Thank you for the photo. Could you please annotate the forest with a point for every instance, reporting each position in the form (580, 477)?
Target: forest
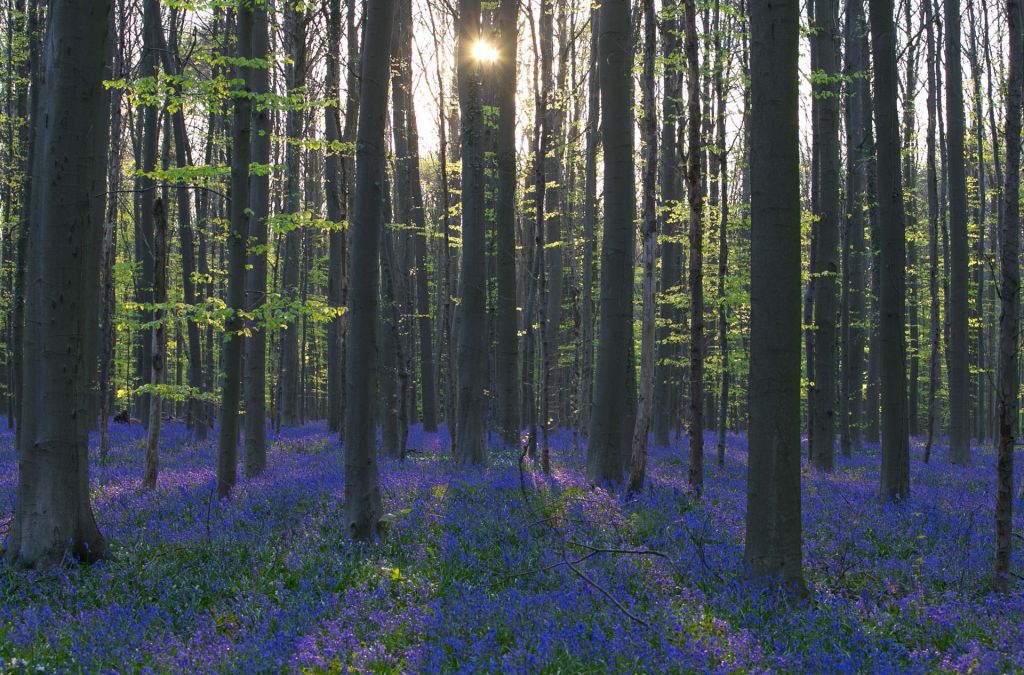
(468, 336)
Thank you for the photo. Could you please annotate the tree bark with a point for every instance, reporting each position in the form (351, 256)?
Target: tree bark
(1009, 295)
(362, 482)
(241, 154)
(53, 518)
(959, 399)
(773, 536)
(895, 475)
(608, 428)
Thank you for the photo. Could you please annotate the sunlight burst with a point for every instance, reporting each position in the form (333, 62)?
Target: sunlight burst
(484, 52)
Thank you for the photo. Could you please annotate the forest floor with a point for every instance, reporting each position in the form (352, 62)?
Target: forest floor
(475, 577)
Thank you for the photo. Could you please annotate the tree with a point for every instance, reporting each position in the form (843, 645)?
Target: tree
(507, 355)
(362, 482)
(826, 137)
(1009, 297)
(695, 198)
(296, 19)
(959, 404)
(472, 346)
(53, 518)
(773, 538)
(257, 240)
(895, 477)
(606, 453)
(666, 385)
(241, 153)
(649, 239)
(159, 347)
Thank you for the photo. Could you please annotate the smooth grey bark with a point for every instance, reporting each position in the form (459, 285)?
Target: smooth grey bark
(895, 475)
(362, 480)
(827, 92)
(290, 385)
(649, 239)
(773, 534)
(666, 387)
(695, 199)
(607, 452)
(1009, 299)
(507, 348)
(959, 403)
(257, 240)
(53, 519)
(231, 353)
(472, 344)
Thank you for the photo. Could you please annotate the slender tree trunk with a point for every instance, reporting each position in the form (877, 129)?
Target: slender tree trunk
(667, 369)
(290, 384)
(159, 337)
(589, 227)
(934, 325)
(362, 482)
(722, 160)
(241, 154)
(695, 197)
(895, 477)
(649, 239)
(53, 518)
(606, 451)
(773, 536)
(256, 276)
(826, 17)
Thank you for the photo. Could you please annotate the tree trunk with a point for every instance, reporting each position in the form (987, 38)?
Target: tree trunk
(649, 239)
(826, 18)
(241, 154)
(606, 451)
(159, 337)
(53, 518)
(773, 537)
(895, 476)
(695, 197)
(1009, 296)
(472, 344)
(667, 369)
(362, 482)
(959, 399)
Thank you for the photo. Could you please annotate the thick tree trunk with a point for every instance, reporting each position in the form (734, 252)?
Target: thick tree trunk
(1009, 295)
(609, 421)
(53, 518)
(241, 154)
(472, 344)
(362, 482)
(773, 537)
(895, 476)
(507, 356)
(959, 399)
